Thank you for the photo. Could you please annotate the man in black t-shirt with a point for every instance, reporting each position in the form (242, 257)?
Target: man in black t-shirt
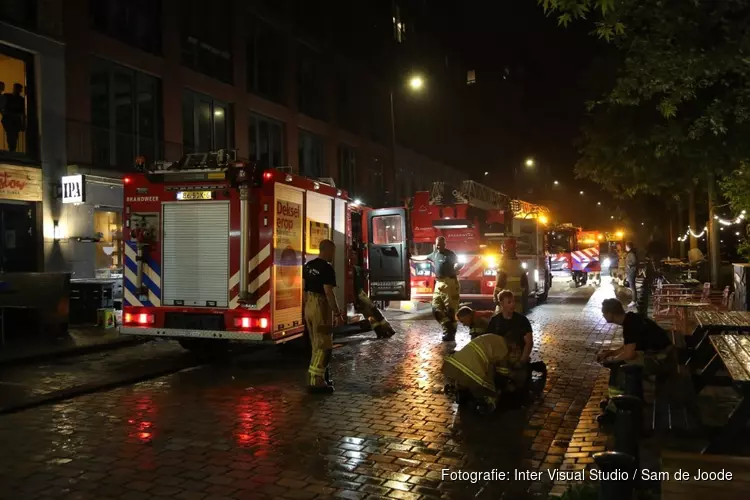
(320, 306)
(446, 295)
(516, 330)
(644, 343)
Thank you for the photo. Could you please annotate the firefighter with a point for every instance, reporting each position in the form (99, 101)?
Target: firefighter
(512, 276)
(379, 324)
(320, 308)
(445, 297)
(472, 370)
(476, 321)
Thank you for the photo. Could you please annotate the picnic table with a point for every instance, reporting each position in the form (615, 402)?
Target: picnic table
(717, 323)
(733, 352)
(683, 313)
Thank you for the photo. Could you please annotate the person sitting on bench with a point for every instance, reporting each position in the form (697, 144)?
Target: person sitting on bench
(645, 343)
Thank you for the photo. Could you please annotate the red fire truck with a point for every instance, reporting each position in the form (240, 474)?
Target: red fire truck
(575, 251)
(216, 247)
(475, 220)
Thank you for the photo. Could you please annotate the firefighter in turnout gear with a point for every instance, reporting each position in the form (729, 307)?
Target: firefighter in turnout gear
(472, 370)
(512, 276)
(322, 313)
(476, 321)
(379, 324)
(446, 295)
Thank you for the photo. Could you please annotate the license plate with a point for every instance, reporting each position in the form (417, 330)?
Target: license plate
(194, 195)
(423, 272)
(490, 272)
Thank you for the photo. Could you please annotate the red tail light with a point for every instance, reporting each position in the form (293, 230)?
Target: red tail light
(267, 175)
(250, 323)
(139, 319)
(126, 180)
(490, 284)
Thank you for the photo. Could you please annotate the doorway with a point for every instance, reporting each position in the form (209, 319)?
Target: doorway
(18, 238)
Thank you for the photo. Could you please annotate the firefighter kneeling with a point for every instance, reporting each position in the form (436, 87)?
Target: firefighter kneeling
(512, 276)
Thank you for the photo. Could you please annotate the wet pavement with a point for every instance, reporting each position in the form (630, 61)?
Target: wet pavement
(250, 431)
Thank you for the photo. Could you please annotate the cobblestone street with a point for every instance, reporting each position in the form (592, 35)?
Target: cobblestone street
(250, 430)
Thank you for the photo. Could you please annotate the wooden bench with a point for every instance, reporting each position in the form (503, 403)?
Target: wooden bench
(734, 353)
(675, 407)
(691, 489)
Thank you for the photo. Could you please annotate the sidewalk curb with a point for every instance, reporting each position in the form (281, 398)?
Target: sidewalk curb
(69, 352)
(84, 389)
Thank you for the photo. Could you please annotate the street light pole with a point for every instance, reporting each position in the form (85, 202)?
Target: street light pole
(393, 138)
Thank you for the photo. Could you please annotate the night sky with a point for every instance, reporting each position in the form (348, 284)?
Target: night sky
(533, 80)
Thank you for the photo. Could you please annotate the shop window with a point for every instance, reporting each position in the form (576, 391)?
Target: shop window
(135, 22)
(17, 126)
(207, 38)
(310, 155)
(126, 115)
(108, 231)
(206, 124)
(266, 141)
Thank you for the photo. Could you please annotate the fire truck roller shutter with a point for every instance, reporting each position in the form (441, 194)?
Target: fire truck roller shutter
(339, 239)
(195, 266)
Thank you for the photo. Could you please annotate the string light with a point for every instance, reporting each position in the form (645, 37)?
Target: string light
(690, 232)
(726, 222)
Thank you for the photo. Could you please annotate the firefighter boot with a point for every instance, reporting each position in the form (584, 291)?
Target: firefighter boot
(327, 376)
(445, 323)
(450, 326)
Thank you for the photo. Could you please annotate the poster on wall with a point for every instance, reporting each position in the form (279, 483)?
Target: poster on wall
(287, 258)
(319, 231)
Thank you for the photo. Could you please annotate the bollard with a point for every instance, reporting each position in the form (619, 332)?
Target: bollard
(628, 423)
(613, 465)
(614, 370)
(633, 380)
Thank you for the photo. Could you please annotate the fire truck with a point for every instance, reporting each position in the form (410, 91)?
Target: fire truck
(215, 248)
(475, 220)
(577, 252)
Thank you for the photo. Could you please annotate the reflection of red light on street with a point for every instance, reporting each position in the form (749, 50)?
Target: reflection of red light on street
(144, 435)
(131, 421)
(145, 425)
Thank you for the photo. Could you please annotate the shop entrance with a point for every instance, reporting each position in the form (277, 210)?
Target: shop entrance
(18, 238)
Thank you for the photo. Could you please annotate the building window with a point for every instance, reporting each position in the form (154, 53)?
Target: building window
(310, 155)
(266, 141)
(347, 169)
(206, 124)
(135, 22)
(18, 123)
(399, 25)
(126, 115)
(310, 83)
(108, 229)
(207, 38)
(266, 54)
(19, 12)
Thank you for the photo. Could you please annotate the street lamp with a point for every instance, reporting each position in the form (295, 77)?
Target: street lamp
(530, 162)
(599, 203)
(556, 183)
(486, 173)
(581, 193)
(416, 84)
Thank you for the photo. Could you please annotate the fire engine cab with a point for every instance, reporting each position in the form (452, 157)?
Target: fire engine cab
(475, 220)
(575, 251)
(215, 247)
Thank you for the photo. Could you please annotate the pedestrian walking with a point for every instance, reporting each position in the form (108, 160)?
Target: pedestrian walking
(631, 271)
(321, 313)
(446, 295)
(645, 343)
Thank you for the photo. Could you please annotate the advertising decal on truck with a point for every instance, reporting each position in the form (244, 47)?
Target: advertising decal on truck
(287, 269)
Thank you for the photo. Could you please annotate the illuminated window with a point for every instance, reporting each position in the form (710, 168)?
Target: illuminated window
(399, 25)
(108, 228)
(18, 124)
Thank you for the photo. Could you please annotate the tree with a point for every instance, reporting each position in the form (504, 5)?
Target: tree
(684, 78)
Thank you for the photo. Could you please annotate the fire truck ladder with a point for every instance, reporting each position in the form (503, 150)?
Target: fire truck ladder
(214, 160)
(472, 193)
